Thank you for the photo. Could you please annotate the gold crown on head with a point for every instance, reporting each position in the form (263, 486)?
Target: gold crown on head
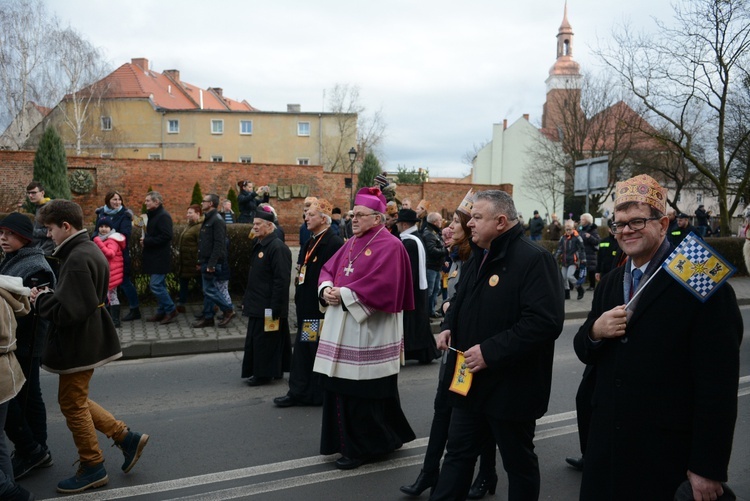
(310, 201)
(643, 189)
(323, 205)
(467, 203)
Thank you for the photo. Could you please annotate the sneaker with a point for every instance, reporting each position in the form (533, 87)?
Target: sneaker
(23, 465)
(87, 477)
(132, 447)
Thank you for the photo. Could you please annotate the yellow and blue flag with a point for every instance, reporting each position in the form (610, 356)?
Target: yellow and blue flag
(698, 267)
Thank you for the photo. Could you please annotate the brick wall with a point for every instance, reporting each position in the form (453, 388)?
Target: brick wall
(175, 181)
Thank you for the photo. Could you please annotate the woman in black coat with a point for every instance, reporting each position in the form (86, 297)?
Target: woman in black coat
(122, 223)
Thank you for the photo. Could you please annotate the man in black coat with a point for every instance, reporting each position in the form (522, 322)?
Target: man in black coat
(504, 320)
(682, 230)
(667, 367)
(212, 259)
(436, 254)
(266, 303)
(157, 256)
(305, 387)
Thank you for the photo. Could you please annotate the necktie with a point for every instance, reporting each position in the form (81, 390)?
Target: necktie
(637, 275)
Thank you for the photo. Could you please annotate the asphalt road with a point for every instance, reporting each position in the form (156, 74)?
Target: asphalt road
(214, 438)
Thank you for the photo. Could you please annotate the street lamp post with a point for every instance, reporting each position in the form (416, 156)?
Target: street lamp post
(352, 158)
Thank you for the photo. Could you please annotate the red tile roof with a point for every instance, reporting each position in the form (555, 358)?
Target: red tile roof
(133, 81)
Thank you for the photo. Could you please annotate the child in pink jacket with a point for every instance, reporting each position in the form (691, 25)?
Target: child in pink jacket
(112, 244)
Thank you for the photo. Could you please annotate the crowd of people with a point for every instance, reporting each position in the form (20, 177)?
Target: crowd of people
(367, 283)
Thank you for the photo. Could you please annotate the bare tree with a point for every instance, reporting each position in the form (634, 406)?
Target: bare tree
(353, 123)
(470, 154)
(687, 77)
(545, 181)
(79, 71)
(25, 44)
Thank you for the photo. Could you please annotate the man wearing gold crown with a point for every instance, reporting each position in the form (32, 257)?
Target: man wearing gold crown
(667, 367)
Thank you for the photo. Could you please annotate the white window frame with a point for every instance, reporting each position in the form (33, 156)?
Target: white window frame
(301, 126)
(245, 159)
(217, 158)
(303, 161)
(169, 126)
(105, 122)
(154, 156)
(699, 198)
(217, 126)
(106, 155)
(242, 122)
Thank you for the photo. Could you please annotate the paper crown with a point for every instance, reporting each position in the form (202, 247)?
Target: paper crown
(310, 201)
(323, 205)
(265, 212)
(467, 203)
(371, 198)
(643, 189)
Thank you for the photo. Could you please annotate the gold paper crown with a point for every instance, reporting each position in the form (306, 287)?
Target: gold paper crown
(323, 206)
(310, 201)
(643, 189)
(467, 203)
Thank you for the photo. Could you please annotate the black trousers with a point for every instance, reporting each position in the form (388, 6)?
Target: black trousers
(467, 436)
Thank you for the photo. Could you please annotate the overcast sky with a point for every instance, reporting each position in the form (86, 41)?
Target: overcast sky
(441, 71)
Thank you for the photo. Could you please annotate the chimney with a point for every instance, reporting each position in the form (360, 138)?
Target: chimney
(505, 123)
(141, 62)
(526, 116)
(217, 90)
(293, 108)
(173, 74)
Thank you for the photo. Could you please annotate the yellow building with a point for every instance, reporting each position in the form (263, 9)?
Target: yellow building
(135, 112)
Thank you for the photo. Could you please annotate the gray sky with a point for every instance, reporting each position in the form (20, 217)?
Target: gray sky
(442, 71)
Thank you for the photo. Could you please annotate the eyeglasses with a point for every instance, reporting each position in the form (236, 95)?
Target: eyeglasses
(360, 215)
(32, 192)
(634, 224)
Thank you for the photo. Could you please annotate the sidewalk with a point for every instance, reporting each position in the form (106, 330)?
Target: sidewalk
(141, 339)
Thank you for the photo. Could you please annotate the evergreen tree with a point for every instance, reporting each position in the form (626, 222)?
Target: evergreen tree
(51, 165)
(370, 169)
(232, 197)
(197, 197)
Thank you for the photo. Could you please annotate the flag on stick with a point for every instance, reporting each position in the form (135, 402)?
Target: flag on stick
(698, 267)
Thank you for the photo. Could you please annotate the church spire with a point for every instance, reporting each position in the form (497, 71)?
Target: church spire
(564, 81)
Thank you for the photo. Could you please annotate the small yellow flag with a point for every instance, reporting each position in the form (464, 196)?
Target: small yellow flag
(461, 377)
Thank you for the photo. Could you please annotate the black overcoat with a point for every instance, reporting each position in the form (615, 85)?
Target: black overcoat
(268, 279)
(512, 307)
(157, 243)
(665, 399)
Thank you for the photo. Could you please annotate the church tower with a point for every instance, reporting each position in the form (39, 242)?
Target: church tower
(564, 82)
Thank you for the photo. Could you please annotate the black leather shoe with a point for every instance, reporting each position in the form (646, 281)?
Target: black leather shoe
(285, 401)
(203, 322)
(576, 463)
(481, 485)
(581, 292)
(258, 381)
(198, 315)
(345, 463)
(425, 480)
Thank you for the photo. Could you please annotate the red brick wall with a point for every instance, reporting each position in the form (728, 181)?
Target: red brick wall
(175, 180)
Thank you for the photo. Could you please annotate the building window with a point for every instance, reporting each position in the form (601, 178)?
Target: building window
(217, 158)
(246, 127)
(173, 126)
(303, 128)
(106, 155)
(106, 123)
(246, 160)
(699, 198)
(303, 161)
(154, 156)
(217, 126)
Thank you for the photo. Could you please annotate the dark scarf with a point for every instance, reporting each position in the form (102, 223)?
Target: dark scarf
(25, 262)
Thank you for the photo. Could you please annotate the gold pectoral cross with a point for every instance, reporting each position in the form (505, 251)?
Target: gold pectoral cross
(348, 270)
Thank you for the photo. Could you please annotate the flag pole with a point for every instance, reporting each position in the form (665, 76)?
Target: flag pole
(641, 288)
